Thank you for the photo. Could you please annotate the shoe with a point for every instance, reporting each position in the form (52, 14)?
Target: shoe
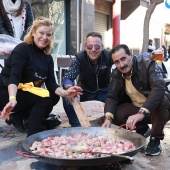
(17, 122)
(52, 122)
(154, 147)
(146, 132)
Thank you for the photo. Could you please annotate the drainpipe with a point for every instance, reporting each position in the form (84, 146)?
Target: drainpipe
(82, 25)
(78, 29)
(116, 16)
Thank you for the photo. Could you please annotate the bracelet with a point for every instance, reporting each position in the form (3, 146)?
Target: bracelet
(109, 118)
(12, 97)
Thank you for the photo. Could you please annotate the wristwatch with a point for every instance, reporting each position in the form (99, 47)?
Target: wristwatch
(142, 111)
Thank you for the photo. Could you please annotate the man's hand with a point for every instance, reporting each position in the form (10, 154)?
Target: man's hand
(132, 120)
(152, 56)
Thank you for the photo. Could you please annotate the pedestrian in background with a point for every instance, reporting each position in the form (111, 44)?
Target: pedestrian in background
(165, 53)
(169, 51)
(15, 18)
(151, 46)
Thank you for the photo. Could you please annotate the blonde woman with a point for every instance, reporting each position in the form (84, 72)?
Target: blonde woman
(28, 67)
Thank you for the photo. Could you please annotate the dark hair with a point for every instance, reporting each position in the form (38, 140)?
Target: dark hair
(94, 34)
(18, 12)
(118, 47)
(150, 42)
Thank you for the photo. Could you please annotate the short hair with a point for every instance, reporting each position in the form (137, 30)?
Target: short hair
(94, 34)
(118, 47)
(41, 21)
(150, 42)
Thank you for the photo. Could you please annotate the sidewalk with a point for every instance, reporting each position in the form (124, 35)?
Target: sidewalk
(10, 142)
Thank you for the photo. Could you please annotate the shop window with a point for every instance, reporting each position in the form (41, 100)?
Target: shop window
(55, 10)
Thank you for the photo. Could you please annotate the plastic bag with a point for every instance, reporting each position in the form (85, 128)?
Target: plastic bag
(7, 44)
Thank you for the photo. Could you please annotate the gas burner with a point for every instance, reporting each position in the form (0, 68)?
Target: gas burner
(110, 166)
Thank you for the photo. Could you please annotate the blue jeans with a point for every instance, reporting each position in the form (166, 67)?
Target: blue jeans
(73, 120)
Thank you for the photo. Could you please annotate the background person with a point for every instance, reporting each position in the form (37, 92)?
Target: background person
(15, 18)
(169, 51)
(151, 46)
(93, 67)
(28, 67)
(137, 97)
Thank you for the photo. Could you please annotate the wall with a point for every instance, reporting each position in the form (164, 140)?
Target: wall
(87, 18)
(132, 28)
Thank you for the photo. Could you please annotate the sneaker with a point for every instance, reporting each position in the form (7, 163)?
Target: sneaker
(52, 122)
(154, 147)
(146, 132)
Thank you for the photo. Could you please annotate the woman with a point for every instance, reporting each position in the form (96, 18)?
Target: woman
(15, 18)
(29, 66)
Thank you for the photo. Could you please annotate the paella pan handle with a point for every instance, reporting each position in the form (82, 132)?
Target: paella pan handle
(123, 125)
(25, 154)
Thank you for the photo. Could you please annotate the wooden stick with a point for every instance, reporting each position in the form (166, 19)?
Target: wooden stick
(84, 122)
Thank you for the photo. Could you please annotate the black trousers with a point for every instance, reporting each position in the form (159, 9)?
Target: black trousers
(32, 106)
(158, 118)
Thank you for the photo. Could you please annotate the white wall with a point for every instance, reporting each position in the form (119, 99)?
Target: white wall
(131, 29)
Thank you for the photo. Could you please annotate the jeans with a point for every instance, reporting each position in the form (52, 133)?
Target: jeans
(73, 120)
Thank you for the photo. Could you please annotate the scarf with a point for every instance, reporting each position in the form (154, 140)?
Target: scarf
(29, 87)
(11, 7)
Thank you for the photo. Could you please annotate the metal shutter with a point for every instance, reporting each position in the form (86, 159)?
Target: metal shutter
(101, 24)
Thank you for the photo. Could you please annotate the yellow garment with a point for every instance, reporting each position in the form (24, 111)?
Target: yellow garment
(32, 89)
(137, 98)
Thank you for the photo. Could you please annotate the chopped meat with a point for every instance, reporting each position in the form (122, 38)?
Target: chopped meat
(81, 146)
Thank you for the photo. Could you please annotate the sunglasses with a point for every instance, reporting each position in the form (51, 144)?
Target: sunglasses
(96, 46)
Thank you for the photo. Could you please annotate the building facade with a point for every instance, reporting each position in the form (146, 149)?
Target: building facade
(73, 19)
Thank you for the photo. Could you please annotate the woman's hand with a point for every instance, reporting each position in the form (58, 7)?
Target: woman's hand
(8, 108)
(73, 91)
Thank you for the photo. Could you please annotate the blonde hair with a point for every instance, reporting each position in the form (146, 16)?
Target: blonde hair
(41, 21)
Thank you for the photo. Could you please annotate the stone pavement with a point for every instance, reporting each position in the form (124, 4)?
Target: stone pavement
(10, 141)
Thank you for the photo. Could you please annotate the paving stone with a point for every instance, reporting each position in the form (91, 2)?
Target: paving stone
(11, 140)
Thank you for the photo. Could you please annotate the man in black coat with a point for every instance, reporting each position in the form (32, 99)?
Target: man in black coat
(138, 97)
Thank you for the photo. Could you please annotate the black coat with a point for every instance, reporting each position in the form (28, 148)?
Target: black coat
(146, 78)
(5, 24)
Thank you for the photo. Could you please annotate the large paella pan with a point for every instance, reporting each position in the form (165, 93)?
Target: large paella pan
(136, 139)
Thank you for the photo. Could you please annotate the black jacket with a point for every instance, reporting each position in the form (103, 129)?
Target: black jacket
(146, 78)
(88, 79)
(28, 63)
(5, 24)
